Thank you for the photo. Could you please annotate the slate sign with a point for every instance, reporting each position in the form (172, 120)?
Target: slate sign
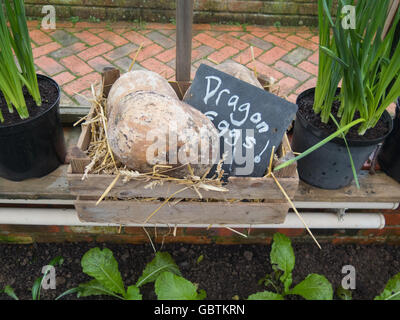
(250, 120)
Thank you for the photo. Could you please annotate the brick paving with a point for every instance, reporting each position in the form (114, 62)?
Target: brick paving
(75, 54)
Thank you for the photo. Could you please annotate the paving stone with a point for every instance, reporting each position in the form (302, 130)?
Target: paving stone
(45, 49)
(95, 51)
(65, 100)
(123, 63)
(89, 38)
(159, 67)
(161, 39)
(76, 65)
(257, 42)
(246, 56)
(120, 52)
(81, 101)
(297, 55)
(49, 65)
(64, 38)
(201, 52)
(112, 37)
(99, 64)
(223, 54)
(209, 41)
(67, 51)
(291, 71)
(63, 78)
(82, 83)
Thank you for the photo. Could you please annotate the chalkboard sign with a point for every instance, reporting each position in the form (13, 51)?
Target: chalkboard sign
(250, 120)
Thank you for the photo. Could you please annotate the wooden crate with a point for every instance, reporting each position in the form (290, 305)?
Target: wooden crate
(234, 207)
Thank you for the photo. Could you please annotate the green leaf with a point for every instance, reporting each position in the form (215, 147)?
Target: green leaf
(265, 295)
(94, 288)
(314, 287)
(161, 262)
(36, 288)
(282, 258)
(101, 265)
(169, 286)
(392, 289)
(133, 293)
(344, 294)
(200, 259)
(37, 285)
(10, 292)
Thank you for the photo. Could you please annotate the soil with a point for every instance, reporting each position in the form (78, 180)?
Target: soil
(48, 93)
(306, 110)
(224, 272)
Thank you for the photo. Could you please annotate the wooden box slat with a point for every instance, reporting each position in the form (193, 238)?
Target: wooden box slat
(136, 212)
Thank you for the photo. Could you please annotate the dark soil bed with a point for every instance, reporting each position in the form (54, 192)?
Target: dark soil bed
(225, 271)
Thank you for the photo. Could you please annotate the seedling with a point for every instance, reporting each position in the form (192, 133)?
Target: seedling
(37, 285)
(313, 287)
(391, 291)
(162, 270)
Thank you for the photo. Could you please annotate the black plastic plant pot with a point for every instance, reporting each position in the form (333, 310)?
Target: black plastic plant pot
(329, 167)
(389, 157)
(34, 147)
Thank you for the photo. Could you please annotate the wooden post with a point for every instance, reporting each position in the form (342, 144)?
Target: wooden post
(184, 21)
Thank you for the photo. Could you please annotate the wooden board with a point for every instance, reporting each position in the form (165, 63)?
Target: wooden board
(239, 188)
(123, 212)
(373, 188)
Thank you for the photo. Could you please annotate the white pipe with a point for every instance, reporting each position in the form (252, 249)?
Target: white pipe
(314, 220)
(346, 205)
(298, 204)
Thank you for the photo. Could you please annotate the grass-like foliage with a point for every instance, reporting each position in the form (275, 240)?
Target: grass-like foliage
(313, 287)
(328, 69)
(14, 38)
(369, 73)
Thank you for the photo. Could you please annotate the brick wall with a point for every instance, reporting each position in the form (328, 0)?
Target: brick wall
(264, 12)
(29, 234)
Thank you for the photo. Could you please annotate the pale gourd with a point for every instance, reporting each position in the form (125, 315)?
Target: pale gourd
(239, 71)
(152, 128)
(138, 80)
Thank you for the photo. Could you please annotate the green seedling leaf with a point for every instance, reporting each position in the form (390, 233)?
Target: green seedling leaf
(91, 288)
(37, 285)
(36, 288)
(133, 293)
(265, 295)
(314, 287)
(343, 294)
(282, 258)
(94, 288)
(161, 262)
(101, 265)
(392, 289)
(200, 259)
(10, 292)
(169, 286)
